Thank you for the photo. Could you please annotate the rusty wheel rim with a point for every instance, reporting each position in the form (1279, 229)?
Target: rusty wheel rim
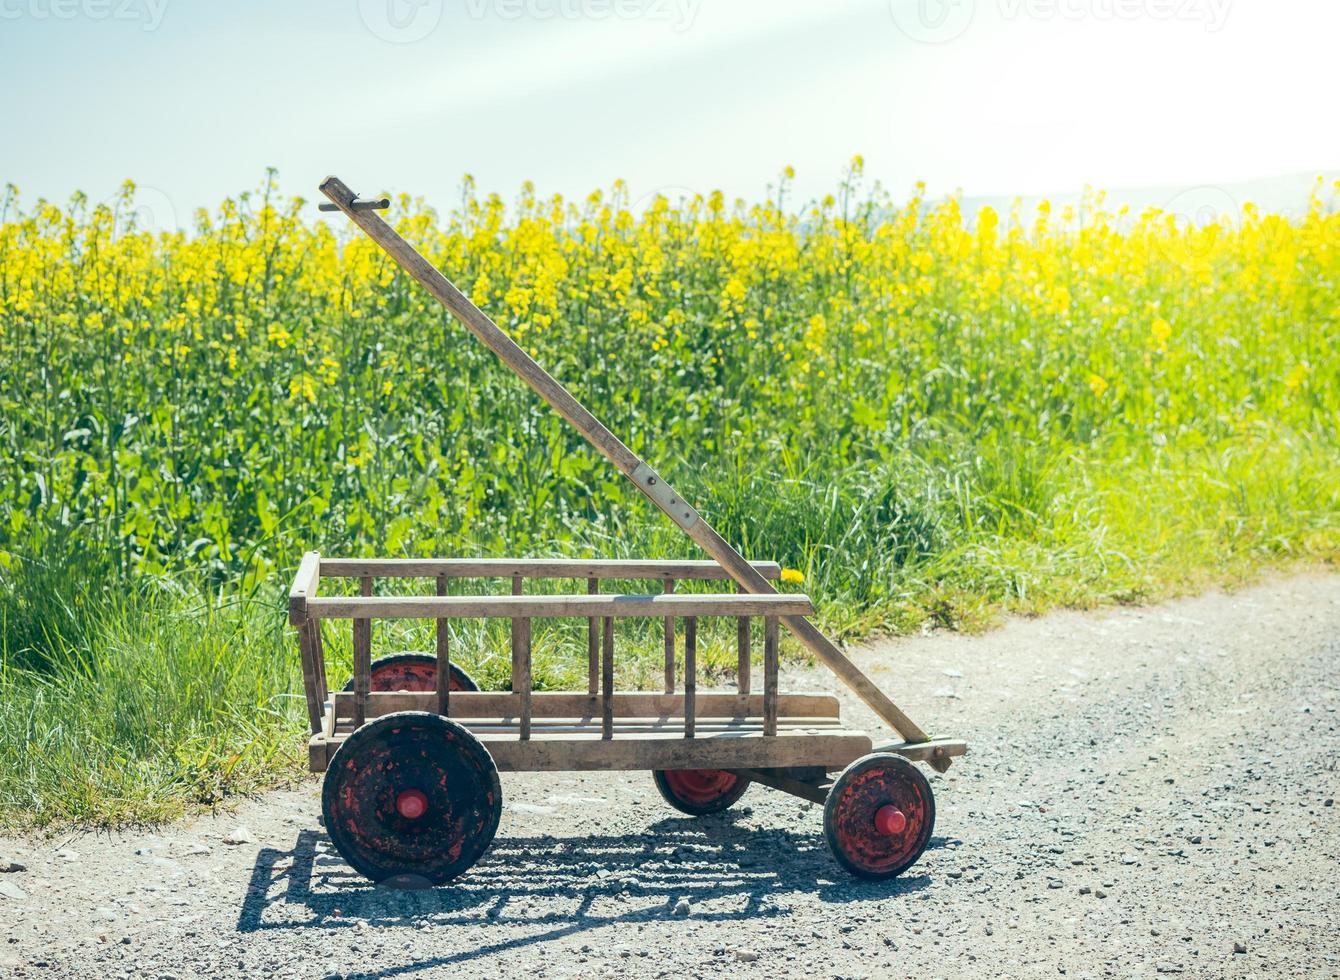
(411, 795)
(701, 787)
(879, 816)
(698, 792)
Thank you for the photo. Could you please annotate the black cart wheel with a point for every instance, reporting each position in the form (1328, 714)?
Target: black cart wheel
(699, 791)
(879, 816)
(413, 672)
(411, 796)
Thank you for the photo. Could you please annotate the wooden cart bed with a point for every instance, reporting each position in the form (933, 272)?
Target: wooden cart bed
(599, 729)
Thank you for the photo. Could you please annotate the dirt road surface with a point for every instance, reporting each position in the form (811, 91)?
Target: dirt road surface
(1149, 791)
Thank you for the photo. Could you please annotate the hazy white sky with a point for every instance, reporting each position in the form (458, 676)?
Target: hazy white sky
(194, 99)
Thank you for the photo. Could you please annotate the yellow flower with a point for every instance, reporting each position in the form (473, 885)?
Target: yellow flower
(792, 576)
(1159, 332)
(1097, 384)
(1295, 378)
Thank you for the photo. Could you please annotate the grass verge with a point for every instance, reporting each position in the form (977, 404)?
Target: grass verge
(144, 701)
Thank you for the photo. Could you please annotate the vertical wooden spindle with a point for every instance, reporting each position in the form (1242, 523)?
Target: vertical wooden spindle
(521, 661)
(319, 656)
(362, 658)
(593, 644)
(514, 625)
(669, 644)
(742, 643)
(607, 681)
(690, 674)
(443, 655)
(311, 686)
(770, 675)
(525, 683)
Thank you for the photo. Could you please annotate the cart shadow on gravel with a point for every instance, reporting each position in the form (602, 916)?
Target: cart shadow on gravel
(726, 869)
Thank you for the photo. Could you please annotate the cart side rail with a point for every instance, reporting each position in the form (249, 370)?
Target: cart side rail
(600, 610)
(816, 708)
(557, 568)
(614, 606)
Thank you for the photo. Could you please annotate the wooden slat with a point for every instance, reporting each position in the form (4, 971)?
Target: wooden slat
(690, 673)
(443, 644)
(742, 646)
(625, 726)
(607, 681)
(561, 704)
(833, 749)
(362, 658)
(770, 675)
(532, 568)
(592, 643)
(306, 582)
(535, 606)
(669, 644)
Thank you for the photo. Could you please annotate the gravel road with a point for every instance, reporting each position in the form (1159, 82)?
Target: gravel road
(1149, 791)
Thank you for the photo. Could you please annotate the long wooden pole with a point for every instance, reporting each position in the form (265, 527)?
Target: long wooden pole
(643, 476)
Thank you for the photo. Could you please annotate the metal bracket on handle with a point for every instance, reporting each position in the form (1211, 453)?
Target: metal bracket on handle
(358, 204)
(650, 483)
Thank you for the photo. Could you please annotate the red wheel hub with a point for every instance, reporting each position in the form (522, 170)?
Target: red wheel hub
(889, 820)
(411, 804)
(701, 786)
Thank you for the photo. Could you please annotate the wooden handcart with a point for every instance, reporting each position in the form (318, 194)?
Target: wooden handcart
(411, 790)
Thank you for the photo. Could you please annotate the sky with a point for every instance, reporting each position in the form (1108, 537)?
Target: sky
(194, 99)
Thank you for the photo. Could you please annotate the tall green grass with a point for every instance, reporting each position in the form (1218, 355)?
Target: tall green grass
(133, 701)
